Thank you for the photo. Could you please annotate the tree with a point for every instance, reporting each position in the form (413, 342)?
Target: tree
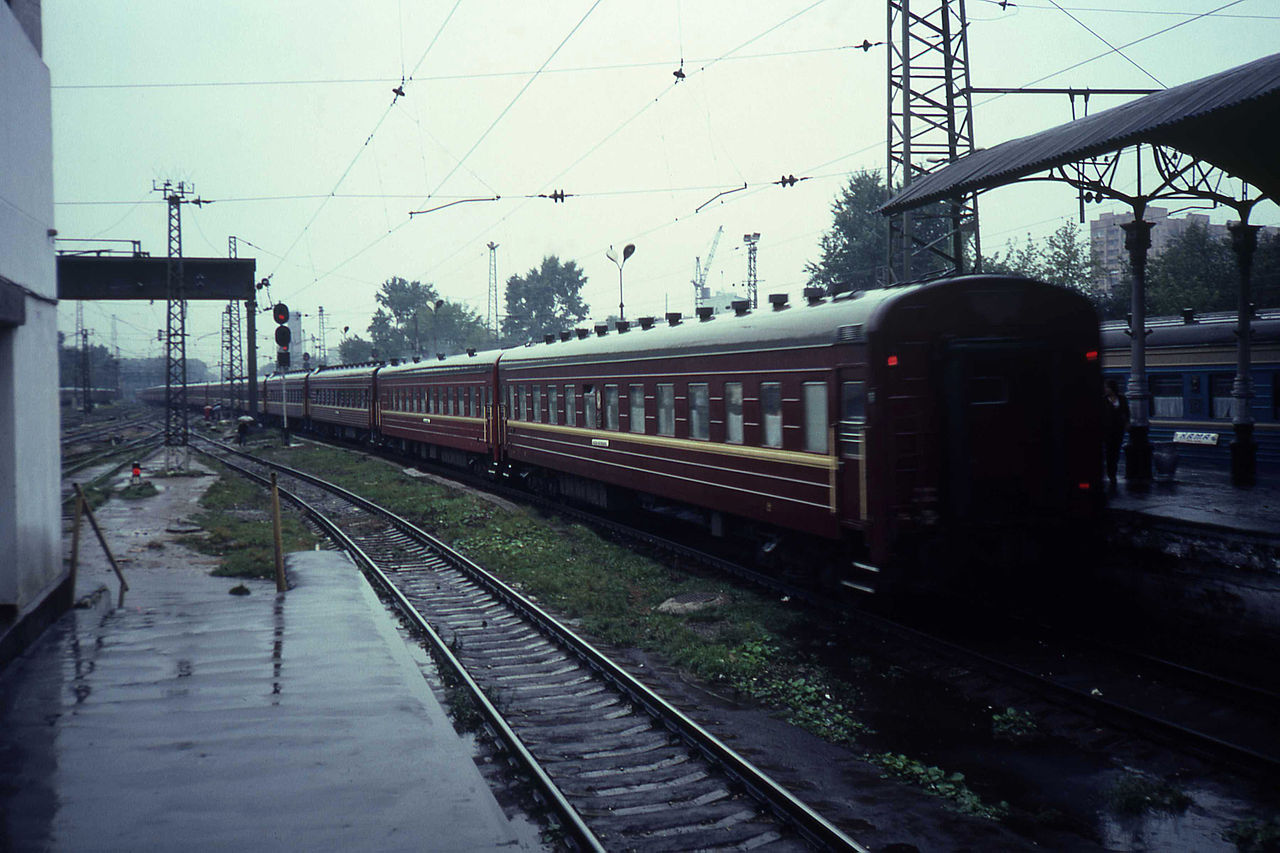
(1063, 259)
(413, 319)
(854, 251)
(1195, 270)
(355, 350)
(544, 301)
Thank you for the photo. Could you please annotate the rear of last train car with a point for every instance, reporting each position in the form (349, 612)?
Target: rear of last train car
(988, 467)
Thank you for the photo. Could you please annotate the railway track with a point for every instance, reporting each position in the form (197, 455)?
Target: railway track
(1140, 694)
(1200, 712)
(624, 768)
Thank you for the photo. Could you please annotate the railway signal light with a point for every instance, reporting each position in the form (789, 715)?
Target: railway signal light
(283, 336)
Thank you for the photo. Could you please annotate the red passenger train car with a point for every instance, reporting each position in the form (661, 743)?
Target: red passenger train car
(876, 438)
(902, 424)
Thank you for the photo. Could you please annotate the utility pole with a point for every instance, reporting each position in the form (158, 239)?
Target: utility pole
(493, 288)
(752, 284)
(323, 355)
(930, 124)
(176, 425)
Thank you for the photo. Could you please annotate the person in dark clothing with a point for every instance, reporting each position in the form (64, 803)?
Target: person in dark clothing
(1116, 414)
(242, 431)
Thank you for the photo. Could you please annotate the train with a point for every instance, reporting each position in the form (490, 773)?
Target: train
(872, 440)
(1191, 369)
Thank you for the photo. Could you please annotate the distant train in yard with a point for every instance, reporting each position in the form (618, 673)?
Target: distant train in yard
(1191, 367)
(871, 437)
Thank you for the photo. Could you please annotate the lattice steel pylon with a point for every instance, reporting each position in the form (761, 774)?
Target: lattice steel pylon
(176, 426)
(753, 284)
(232, 343)
(493, 288)
(930, 124)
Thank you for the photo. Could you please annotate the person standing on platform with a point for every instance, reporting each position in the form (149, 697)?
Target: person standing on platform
(1116, 413)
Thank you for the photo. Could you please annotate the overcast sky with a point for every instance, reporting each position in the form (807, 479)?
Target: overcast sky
(283, 115)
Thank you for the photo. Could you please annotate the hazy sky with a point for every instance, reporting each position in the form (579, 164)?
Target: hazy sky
(282, 113)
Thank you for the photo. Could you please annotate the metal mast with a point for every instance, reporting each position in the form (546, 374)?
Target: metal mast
(752, 284)
(930, 125)
(175, 346)
(323, 355)
(493, 288)
(233, 342)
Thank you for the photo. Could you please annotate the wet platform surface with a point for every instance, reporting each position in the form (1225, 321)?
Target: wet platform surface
(191, 718)
(1205, 497)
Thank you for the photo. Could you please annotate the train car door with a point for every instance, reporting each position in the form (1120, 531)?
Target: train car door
(1004, 428)
(851, 440)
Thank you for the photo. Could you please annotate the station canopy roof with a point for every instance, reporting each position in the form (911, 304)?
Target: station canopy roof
(1230, 120)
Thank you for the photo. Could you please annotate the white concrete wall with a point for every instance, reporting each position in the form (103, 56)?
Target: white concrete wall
(30, 529)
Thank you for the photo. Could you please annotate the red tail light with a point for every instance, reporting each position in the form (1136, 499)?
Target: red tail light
(892, 361)
(1084, 487)
(1091, 355)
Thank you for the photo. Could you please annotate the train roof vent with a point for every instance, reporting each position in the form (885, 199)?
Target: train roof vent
(673, 318)
(582, 333)
(778, 301)
(394, 362)
(851, 334)
(814, 295)
(740, 307)
(602, 329)
(551, 339)
(471, 351)
(622, 326)
(439, 356)
(565, 334)
(1188, 315)
(646, 323)
(705, 313)
(417, 358)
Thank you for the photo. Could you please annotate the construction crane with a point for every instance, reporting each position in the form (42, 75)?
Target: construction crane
(700, 271)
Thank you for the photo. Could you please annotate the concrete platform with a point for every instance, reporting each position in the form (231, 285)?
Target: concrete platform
(194, 719)
(1206, 498)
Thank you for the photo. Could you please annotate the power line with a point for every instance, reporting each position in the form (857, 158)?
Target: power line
(1099, 37)
(441, 78)
(360, 151)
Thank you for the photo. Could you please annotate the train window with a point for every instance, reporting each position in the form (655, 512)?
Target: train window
(511, 401)
(666, 410)
(699, 411)
(853, 401)
(590, 414)
(472, 394)
(1220, 394)
(570, 406)
(733, 412)
(771, 407)
(454, 408)
(1166, 396)
(522, 393)
(537, 403)
(553, 404)
(611, 407)
(815, 416)
(637, 408)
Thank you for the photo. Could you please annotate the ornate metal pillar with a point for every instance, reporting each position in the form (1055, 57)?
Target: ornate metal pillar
(1137, 458)
(1244, 450)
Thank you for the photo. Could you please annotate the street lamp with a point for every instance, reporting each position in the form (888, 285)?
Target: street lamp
(627, 251)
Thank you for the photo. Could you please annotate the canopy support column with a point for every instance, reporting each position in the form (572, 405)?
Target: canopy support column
(1244, 450)
(1137, 457)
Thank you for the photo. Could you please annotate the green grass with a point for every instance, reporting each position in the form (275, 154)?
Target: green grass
(1255, 836)
(1133, 794)
(236, 517)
